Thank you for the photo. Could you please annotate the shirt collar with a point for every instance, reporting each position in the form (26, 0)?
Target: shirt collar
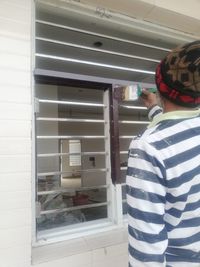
(174, 115)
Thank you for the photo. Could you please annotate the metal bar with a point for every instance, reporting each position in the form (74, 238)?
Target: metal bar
(74, 208)
(69, 154)
(101, 35)
(62, 190)
(123, 168)
(124, 152)
(133, 107)
(42, 174)
(75, 103)
(68, 120)
(92, 63)
(96, 49)
(72, 137)
(126, 136)
(118, 204)
(107, 147)
(134, 122)
(114, 136)
(45, 76)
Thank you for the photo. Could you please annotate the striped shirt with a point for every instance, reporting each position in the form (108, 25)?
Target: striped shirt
(163, 192)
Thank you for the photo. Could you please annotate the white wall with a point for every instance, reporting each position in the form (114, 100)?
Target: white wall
(171, 14)
(15, 151)
(15, 133)
(111, 256)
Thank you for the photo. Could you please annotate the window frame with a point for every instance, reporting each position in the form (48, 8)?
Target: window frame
(47, 78)
(43, 76)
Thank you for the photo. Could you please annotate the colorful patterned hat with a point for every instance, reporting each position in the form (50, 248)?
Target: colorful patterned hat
(178, 75)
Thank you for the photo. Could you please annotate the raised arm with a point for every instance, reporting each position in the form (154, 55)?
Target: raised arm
(151, 101)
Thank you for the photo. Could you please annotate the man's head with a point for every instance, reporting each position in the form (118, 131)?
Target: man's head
(178, 76)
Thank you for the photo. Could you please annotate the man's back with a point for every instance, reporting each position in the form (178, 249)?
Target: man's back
(163, 193)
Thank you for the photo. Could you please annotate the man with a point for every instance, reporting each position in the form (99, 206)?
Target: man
(163, 176)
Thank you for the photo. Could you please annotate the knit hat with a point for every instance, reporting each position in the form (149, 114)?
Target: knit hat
(178, 75)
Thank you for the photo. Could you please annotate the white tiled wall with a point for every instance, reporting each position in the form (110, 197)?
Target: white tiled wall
(15, 133)
(112, 256)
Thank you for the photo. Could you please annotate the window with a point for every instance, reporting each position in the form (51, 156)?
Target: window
(73, 156)
(82, 127)
(74, 152)
(74, 126)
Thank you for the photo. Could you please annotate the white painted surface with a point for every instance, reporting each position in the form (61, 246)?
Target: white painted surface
(15, 134)
(181, 15)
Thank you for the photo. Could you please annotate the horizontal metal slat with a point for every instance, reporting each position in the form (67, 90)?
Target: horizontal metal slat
(92, 63)
(71, 137)
(133, 107)
(69, 190)
(126, 136)
(134, 122)
(100, 35)
(69, 120)
(75, 103)
(74, 208)
(71, 154)
(96, 49)
(69, 172)
(124, 152)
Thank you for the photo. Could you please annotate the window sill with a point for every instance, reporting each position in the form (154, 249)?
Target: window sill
(90, 240)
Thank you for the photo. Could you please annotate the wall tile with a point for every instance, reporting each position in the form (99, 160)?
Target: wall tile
(78, 260)
(14, 29)
(15, 46)
(14, 94)
(15, 200)
(14, 12)
(15, 146)
(15, 218)
(15, 256)
(15, 237)
(15, 129)
(19, 163)
(12, 111)
(13, 61)
(19, 3)
(14, 182)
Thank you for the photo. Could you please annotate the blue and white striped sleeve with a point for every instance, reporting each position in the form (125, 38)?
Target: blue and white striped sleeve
(146, 206)
(154, 111)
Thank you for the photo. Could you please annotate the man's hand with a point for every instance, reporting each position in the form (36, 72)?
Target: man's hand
(149, 99)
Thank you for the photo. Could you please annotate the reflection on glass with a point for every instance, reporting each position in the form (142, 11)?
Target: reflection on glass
(68, 202)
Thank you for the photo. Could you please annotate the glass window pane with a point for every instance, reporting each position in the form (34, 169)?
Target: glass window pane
(72, 170)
